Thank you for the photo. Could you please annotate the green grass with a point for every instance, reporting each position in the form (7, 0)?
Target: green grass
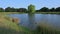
(9, 27)
(48, 12)
(27, 13)
(44, 28)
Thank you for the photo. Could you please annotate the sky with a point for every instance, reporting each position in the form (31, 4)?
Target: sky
(24, 3)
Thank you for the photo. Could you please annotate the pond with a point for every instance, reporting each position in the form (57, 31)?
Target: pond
(32, 20)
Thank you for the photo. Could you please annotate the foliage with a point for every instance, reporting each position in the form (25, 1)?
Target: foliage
(1, 10)
(57, 9)
(52, 9)
(22, 10)
(44, 9)
(8, 9)
(31, 8)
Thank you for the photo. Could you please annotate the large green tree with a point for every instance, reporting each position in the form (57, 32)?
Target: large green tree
(31, 8)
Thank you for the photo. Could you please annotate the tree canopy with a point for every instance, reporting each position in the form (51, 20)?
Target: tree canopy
(31, 8)
(1, 10)
(44, 9)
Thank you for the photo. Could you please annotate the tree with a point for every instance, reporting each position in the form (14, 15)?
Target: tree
(44, 9)
(8, 9)
(31, 8)
(57, 9)
(52, 9)
(22, 10)
(1, 10)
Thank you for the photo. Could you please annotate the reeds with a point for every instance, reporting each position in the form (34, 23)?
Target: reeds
(46, 29)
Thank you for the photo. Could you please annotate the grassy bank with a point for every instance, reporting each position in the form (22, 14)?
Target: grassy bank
(48, 12)
(46, 28)
(9, 27)
(26, 13)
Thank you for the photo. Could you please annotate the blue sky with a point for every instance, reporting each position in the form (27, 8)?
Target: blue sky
(24, 3)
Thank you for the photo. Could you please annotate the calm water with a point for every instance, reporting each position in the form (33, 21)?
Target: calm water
(32, 20)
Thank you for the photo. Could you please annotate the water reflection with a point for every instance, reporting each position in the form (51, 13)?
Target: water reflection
(30, 20)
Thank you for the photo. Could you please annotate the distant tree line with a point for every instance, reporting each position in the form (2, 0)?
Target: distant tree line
(45, 9)
(31, 8)
(9, 9)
